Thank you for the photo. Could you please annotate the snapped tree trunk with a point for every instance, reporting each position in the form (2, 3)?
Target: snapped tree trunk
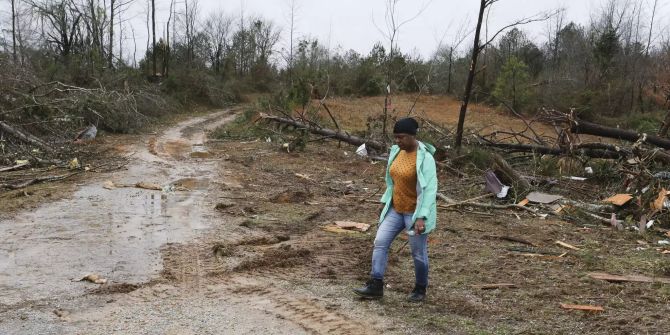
(471, 77)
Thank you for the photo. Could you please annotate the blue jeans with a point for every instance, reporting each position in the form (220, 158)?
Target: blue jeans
(394, 223)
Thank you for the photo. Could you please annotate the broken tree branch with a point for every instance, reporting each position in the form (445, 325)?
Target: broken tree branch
(25, 137)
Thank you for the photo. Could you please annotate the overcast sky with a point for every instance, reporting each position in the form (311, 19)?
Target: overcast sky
(350, 24)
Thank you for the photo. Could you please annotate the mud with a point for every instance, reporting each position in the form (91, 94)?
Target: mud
(174, 264)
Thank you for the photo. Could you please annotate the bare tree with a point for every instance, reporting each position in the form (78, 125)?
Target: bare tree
(63, 18)
(166, 58)
(116, 7)
(393, 23)
(217, 29)
(477, 48)
(14, 31)
(293, 7)
(153, 31)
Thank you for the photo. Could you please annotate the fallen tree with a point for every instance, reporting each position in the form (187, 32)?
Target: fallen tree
(590, 128)
(338, 135)
(25, 137)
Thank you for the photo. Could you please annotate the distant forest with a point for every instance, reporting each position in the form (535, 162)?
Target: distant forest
(77, 52)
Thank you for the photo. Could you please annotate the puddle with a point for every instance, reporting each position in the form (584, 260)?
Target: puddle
(115, 233)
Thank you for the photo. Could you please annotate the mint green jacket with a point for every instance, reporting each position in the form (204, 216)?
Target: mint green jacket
(426, 187)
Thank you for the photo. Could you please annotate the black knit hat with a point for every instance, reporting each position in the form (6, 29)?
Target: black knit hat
(406, 126)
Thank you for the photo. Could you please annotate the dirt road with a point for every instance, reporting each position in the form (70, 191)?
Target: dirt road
(130, 236)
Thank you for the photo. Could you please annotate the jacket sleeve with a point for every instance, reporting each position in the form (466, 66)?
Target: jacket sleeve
(429, 196)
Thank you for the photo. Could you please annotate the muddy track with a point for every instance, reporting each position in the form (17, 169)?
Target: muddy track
(160, 249)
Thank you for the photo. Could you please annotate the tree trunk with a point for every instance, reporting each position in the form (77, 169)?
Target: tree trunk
(110, 51)
(589, 128)
(451, 62)
(14, 31)
(153, 31)
(471, 78)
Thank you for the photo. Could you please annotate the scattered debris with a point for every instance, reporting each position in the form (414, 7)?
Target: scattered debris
(566, 245)
(74, 164)
(543, 198)
(333, 228)
(494, 185)
(630, 278)
(94, 278)
(362, 227)
(109, 185)
(619, 199)
(585, 308)
(149, 186)
(362, 151)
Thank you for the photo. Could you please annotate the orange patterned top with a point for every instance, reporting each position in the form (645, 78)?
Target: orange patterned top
(403, 173)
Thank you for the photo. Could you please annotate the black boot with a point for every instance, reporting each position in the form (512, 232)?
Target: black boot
(373, 289)
(418, 294)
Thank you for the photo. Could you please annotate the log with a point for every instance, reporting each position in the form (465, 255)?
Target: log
(590, 128)
(339, 135)
(585, 150)
(25, 137)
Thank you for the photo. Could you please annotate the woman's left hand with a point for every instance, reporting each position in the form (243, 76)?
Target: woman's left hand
(420, 226)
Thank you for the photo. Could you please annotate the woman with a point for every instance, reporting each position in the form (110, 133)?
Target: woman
(408, 204)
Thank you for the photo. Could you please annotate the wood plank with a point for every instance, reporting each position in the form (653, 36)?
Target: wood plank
(629, 278)
(586, 308)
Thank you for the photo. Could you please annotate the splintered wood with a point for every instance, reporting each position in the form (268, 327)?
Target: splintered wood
(630, 278)
(585, 308)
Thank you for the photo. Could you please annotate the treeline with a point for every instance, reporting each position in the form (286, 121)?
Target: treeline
(613, 66)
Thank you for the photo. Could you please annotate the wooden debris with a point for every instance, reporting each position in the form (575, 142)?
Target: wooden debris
(362, 227)
(148, 186)
(15, 167)
(566, 245)
(523, 202)
(629, 278)
(657, 205)
(619, 199)
(335, 229)
(493, 286)
(94, 278)
(543, 198)
(586, 308)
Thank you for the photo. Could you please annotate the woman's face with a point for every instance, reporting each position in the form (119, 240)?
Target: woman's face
(404, 141)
